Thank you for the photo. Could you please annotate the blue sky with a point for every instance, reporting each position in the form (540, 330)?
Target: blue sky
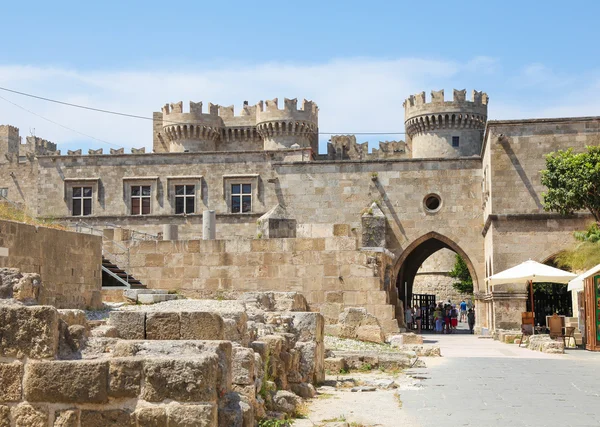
(357, 60)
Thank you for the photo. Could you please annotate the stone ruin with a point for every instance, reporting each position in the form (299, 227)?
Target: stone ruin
(177, 363)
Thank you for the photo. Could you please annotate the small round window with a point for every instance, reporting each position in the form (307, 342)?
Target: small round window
(432, 203)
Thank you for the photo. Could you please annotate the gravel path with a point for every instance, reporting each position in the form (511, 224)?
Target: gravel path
(382, 408)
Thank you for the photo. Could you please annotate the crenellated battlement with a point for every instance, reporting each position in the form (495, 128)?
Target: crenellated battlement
(269, 111)
(345, 147)
(459, 113)
(37, 146)
(417, 105)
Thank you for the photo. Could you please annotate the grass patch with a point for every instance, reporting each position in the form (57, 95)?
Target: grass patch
(583, 256)
(325, 396)
(366, 367)
(301, 411)
(339, 419)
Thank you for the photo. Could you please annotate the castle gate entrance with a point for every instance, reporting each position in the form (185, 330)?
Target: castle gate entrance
(413, 257)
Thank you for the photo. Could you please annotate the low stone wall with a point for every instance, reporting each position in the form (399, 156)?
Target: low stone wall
(69, 264)
(159, 368)
(331, 272)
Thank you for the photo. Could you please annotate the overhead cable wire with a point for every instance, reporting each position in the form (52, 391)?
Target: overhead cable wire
(58, 124)
(135, 116)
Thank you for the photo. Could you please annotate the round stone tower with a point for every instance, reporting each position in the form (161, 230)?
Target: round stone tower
(194, 131)
(445, 128)
(281, 129)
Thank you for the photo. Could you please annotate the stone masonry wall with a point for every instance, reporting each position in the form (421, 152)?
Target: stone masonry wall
(330, 272)
(68, 263)
(432, 277)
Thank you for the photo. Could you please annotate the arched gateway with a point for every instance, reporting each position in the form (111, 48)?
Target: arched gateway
(416, 253)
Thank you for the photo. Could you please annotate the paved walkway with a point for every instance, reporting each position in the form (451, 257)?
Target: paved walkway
(481, 382)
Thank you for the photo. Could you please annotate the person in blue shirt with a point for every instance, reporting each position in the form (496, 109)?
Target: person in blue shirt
(463, 311)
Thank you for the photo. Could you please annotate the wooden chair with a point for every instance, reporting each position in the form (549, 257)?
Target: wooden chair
(526, 330)
(569, 333)
(555, 324)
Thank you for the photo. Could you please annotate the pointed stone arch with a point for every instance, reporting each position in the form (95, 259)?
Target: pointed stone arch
(411, 258)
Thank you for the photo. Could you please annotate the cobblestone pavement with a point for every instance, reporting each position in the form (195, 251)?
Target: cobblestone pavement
(480, 382)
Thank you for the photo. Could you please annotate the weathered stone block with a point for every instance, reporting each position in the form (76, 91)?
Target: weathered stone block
(73, 317)
(242, 366)
(285, 401)
(66, 382)
(335, 364)
(110, 418)
(26, 415)
(204, 415)
(130, 324)
(124, 377)
(186, 380)
(28, 331)
(106, 331)
(151, 417)
(67, 418)
(199, 325)
(4, 416)
(370, 333)
(10, 381)
(304, 390)
(162, 326)
(308, 326)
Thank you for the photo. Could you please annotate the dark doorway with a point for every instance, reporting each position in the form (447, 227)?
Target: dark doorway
(550, 298)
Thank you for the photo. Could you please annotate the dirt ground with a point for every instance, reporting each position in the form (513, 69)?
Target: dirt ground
(337, 405)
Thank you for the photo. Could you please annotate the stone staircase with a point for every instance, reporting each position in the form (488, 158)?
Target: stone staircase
(109, 280)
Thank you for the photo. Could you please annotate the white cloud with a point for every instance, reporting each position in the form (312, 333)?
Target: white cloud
(353, 94)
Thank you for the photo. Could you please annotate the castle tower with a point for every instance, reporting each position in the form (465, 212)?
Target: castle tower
(188, 132)
(445, 128)
(281, 129)
(9, 142)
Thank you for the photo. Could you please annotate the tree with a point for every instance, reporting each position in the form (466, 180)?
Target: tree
(461, 272)
(573, 182)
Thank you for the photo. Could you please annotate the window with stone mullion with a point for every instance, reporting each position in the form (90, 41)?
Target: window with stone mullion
(81, 201)
(185, 199)
(140, 199)
(241, 198)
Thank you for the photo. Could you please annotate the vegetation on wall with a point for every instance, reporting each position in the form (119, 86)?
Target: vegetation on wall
(585, 254)
(460, 271)
(573, 182)
(13, 213)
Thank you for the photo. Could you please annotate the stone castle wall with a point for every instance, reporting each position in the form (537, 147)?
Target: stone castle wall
(433, 278)
(73, 284)
(317, 195)
(330, 272)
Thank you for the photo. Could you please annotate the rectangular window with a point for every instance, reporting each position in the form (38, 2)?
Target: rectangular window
(185, 199)
(241, 198)
(455, 141)
(140, 199)
(82, 201)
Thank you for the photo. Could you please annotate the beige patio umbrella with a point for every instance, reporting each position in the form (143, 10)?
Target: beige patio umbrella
(528, 272)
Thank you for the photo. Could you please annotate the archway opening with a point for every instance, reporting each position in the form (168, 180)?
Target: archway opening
(424, 275)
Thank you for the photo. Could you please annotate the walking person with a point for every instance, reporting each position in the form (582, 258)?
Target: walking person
(418, 318)
(463, 311)
(453, 318)
(447, 319)
(408, 317)
(471, 319)
(438, 319)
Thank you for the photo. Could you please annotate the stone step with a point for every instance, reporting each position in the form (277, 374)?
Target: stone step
(154, 298)
(133, 294)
